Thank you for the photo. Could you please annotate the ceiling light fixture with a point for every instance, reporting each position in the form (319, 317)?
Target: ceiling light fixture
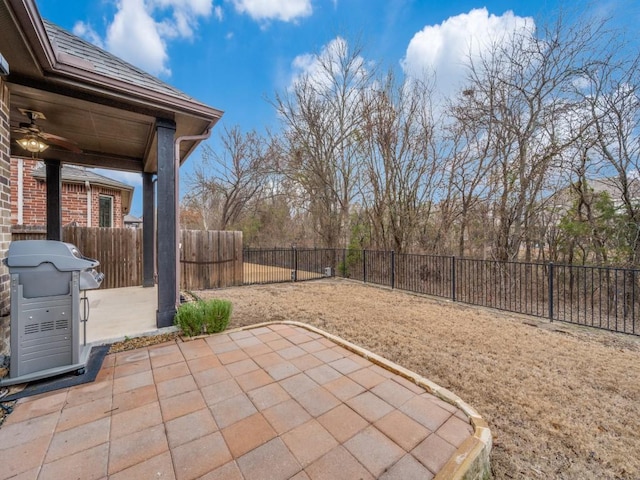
(32, 144)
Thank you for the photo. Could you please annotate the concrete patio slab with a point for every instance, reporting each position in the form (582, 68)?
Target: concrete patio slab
(117, 313)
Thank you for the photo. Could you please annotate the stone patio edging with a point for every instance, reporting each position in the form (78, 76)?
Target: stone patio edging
(471, 459)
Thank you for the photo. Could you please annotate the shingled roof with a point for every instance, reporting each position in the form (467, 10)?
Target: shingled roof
(92, 58)
(81, 175)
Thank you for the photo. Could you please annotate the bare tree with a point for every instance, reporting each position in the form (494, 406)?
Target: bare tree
(401, 167)
(613, 99)
(321, 115)
(470, 136)
(520, 93)
(226, 181)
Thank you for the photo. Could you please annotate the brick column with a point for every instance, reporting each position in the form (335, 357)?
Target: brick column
(5, 215)
(5, 196)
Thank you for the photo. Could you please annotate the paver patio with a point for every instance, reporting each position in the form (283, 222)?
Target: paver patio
(272, 402)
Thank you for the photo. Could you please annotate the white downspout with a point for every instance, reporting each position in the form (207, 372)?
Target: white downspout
(176, 154)
(20, 191)
(87, 186)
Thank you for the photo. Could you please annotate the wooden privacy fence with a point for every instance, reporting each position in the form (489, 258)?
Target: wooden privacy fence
(210, 259)
(119, 250)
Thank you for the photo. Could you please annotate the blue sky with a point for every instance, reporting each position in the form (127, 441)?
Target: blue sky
(236, 54)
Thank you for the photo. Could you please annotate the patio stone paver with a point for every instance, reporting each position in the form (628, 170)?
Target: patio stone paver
(276, 402)
(134, 398)
(171, 371)
(369, 406)
(433, 452)
(78, 439)
(136, 419)
(89, 464)
(267, 396)
(247, 434)
(136, 448)
(407, 468)
(198, 457)
(179, 405)
(374, 450)
(232, 410)
(305, 451)
(159, 466)
(189, 427)
(271, 461)
(342, 422)
(403, 430)
(338, 464)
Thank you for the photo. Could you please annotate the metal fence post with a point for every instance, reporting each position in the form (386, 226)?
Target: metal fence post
(551, 291)
(393, 268)
(345, 272)
(364, 266)
(295, 263)
(453, 278)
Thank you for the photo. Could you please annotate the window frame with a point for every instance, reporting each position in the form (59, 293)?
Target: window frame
(100, 215)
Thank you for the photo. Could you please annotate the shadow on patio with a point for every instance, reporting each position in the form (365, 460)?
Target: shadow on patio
(116, 313)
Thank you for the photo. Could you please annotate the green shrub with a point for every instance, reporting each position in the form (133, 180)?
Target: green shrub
(216, 314)
(189, 318)
(203, 316)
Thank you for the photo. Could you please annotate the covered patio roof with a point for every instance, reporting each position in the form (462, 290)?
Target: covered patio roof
(109, 114)
(98, 101)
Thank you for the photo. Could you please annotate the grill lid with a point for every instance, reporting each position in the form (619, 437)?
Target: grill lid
(31, 253)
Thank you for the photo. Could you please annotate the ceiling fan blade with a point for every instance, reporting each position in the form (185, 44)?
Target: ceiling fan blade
(22, 130)
(60, 141)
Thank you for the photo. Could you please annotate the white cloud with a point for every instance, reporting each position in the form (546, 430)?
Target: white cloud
(319, 68)
(445, 48)
(185, 15)
(135, 36)
(265, 10)
(141, 29)
(217, 11)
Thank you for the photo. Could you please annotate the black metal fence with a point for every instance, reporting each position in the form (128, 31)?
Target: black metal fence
(601, 297)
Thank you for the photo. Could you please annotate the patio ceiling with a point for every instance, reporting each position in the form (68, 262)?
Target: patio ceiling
(107, 107)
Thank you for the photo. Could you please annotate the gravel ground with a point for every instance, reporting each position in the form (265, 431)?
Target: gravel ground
(562, 401)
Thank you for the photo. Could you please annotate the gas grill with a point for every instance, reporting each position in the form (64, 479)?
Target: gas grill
(47, 278)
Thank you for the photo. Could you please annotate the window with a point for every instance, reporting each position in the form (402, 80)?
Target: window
(105, 215)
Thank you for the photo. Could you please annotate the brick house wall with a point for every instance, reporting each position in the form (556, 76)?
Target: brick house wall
(5, 217)
(5, 198)
(74, 199)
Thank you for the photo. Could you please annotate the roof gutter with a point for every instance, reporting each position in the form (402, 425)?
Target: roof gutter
(176, 166)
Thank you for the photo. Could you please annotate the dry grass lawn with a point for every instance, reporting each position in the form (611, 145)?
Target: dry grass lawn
(562, 401)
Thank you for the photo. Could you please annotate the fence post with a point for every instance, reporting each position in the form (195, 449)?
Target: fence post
(453, 278)
(364, 266)
(393, 268)
(551, 291)
(344, 264)
(294, 275)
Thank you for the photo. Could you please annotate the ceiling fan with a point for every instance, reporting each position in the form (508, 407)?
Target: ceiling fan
(37, 140)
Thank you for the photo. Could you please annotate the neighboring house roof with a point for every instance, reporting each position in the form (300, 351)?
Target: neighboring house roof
(131, 219)
(612, 187)
(562, 200)
(81, 175)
